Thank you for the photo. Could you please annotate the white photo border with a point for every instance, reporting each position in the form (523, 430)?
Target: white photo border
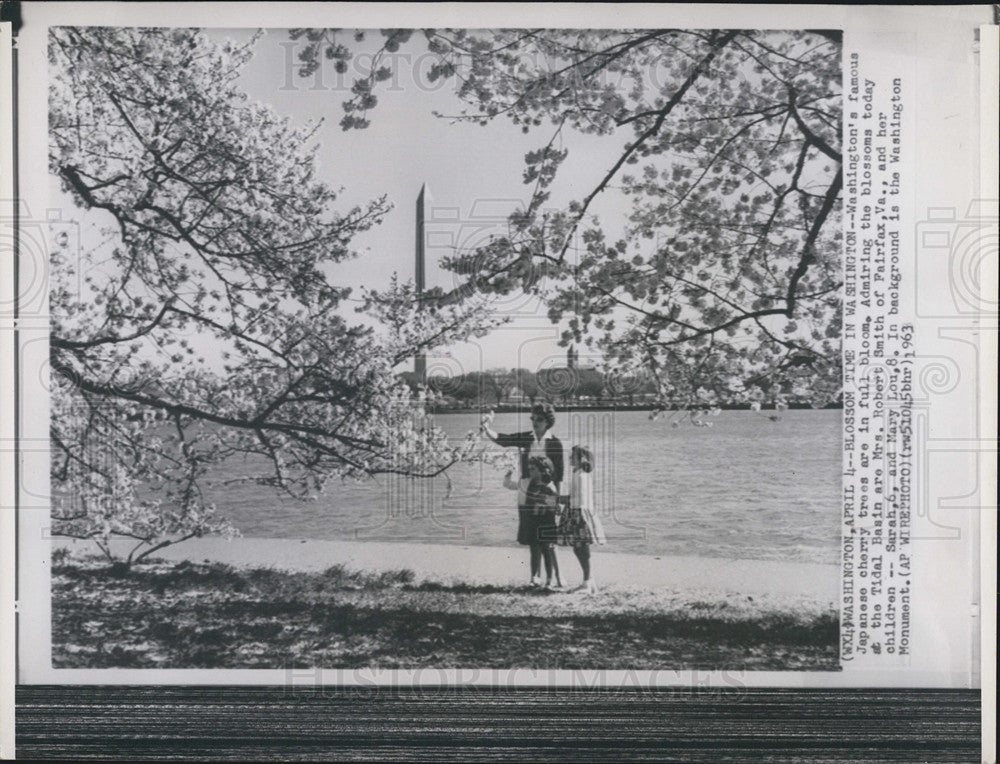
(862, 25)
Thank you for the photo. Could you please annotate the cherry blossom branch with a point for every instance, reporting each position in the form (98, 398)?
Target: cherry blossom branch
(662, 115)
(808, 249)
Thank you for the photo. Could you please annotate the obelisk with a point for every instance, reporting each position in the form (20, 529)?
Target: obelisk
(420, 362)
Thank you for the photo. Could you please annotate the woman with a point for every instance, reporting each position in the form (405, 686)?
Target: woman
(538, 442)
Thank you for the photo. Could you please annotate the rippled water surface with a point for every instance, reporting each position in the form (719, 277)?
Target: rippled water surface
(747, 487)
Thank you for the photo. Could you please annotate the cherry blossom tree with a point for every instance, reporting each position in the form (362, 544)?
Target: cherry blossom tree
(723, 279)
(198, 322)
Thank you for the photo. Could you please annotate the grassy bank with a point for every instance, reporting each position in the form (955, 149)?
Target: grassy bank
(186, 615)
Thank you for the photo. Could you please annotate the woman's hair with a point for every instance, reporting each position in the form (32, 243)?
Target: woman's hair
(584, 456)
(546, 411)
(543, 465)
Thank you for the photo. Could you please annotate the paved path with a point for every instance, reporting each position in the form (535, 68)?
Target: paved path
(503, 565)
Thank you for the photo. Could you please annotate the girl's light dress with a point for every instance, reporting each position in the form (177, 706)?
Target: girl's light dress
(580, 524)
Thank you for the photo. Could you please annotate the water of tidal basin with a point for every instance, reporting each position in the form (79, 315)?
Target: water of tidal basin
(745, 488)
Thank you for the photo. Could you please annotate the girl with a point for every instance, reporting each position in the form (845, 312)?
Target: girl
(537, 520)
(580, 526)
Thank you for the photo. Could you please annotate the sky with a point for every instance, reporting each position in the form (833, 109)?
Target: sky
(473, 174)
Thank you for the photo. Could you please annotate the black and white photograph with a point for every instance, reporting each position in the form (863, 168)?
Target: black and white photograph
(413, 348)
(628, 374)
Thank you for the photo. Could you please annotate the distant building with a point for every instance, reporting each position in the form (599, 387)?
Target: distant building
(573, 359)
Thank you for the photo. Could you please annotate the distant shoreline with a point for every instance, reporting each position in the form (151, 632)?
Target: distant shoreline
(515, 408)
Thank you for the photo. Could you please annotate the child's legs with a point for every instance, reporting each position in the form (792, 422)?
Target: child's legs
(536, 560)
(551, 562)
(582, 552)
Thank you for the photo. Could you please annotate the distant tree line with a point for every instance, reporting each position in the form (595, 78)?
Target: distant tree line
(564, 386)
(497, 387)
